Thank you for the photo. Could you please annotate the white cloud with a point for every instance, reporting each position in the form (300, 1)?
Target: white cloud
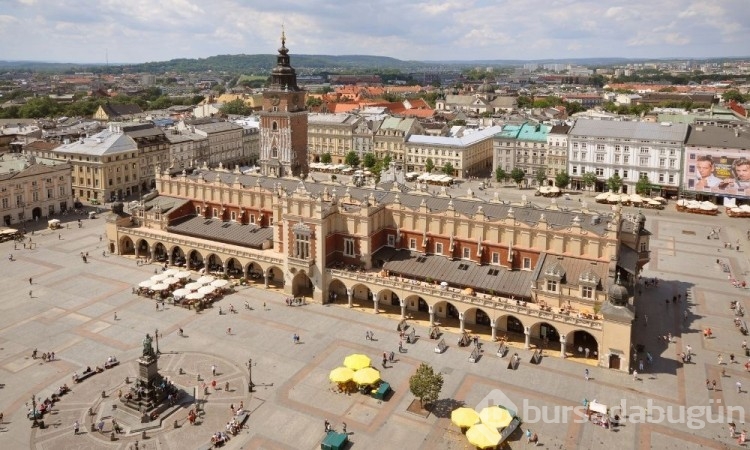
(144, 30)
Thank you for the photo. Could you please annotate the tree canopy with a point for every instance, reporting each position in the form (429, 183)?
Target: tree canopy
(352, 159)
(429, 166)
(500, 175)
(517, 175)
(426, 384)
(614, 183)
(562, 180)
(589, 179)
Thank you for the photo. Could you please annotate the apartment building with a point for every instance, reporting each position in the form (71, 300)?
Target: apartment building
(469, 154)
(391, 136)
(557, 150)
(332, 134)
(225, 144)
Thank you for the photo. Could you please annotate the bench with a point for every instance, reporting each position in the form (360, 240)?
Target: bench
(242, 418)
(382, 391)
(110, 365)
(85, 375)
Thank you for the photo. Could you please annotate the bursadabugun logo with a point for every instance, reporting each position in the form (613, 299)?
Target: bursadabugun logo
(620, 411)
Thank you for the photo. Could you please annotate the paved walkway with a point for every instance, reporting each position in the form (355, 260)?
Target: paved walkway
(72, 306)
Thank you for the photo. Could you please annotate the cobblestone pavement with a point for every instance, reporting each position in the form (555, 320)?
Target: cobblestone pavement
(72, 306)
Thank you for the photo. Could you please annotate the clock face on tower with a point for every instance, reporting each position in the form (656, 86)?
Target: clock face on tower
(275, 99)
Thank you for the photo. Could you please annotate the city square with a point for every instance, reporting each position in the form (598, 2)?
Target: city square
(86, 312)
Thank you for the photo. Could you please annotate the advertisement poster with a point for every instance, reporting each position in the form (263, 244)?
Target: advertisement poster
(719, 172)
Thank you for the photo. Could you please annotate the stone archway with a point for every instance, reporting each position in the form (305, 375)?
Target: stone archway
(510, 328)
(387, 297)
(160, 253)
(544, 335)
(36, 213)
(275, 277)
(177, 256)
(214, 264)
(142, 249)
(254, 273)
(362, 296)
(195, 260)
(477, 321)
(126, 246)
(302, 285)
(233, 268)
(582, 344)
(337, 292)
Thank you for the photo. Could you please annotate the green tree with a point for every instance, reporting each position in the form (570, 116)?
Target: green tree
(734, 94)
(236, 106)
(162, 102)
(643, 186)
(614, 183)
(326, 158)
(314, 101)
(370, 160)
(429, 166)
(448, 169)
(500, 175)
(352, 159)
(562, 180)
(38, 107)
(517, 175)
(589, 179)
(426, 384)
(541, 176)
(387, 161)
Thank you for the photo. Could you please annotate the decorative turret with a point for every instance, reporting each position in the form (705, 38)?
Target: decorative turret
(283, 76)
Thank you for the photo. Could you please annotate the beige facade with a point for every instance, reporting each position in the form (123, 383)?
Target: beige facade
(391, 136)
(331, 133)
(557, 150)
(185, 148)
(225, 143)
(32, 188)
(564, 277)
(469, 154)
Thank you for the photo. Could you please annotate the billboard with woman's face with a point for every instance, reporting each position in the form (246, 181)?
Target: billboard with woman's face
(720, 172)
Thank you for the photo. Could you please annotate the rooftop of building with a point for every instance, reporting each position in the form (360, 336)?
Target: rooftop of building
(106, 142)
(248, 235)
(629, 130)
(719, 137)
(468, 138)
(217, 127)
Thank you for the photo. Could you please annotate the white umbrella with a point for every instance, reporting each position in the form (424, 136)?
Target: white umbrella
(183, 274)
(159, 287)
(205, 290)
(171, 272)
(194, 296)
(206, 279)
(219, 283)
(160, 277)
(602, 196)
(171, 280)
(147, 283)
(193, 286)
(554, 189)
(444, 284)
(181, 292)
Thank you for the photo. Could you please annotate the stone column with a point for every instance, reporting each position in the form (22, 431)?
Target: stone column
(265, 280)
(461, 321)
(350, 297)
(527, 332)
(494, 331)
(375, 302)
(403, 309)
(562, 346)
(152, 252)
(432, 316)
(170, 258)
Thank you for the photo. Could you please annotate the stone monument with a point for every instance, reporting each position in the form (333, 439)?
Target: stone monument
(150, 389)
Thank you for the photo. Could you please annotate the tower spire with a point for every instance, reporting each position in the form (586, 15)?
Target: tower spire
(283, 36)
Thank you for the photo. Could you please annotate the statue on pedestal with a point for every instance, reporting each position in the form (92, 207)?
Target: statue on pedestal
(148, 350)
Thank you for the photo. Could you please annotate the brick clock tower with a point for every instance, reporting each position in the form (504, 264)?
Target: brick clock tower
(283, 122)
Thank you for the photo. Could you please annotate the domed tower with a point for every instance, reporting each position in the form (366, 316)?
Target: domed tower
(283, 121)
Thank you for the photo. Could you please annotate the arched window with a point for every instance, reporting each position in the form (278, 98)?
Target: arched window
(274, 151)
(274, 126)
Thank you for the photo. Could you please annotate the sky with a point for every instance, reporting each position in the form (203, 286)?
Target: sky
(133, 31)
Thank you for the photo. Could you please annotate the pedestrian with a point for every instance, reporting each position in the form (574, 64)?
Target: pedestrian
(30, 294)
(213, 369)
(400, 347)
(731, 358)
(708, 384)
(264, 306)
(326, 426)
(30, 281)
(229, 330)
(385, 360)
(343, 427)
(645, 318)
(76, 427)
(744, 345)
(720, 359)
(640, 365)
(689, 350)
(391, 356)
(100, 426)
(739, 387)
(59, 236)
(685, 316)
(586, 374)
(713, 384)
(367, 335)
(115, 315)
(528, 436)
(635, 375)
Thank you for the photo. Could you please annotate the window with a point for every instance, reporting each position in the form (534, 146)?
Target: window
(439, 248)
(62, 191)
(214, 213)
(575, 155)
(672, 163)
(617, 159)
(644, 150)
(5, 203)
(661, 178)
(551, 285)
(644, 247)
(49, 193)
(617, 172)
(671, 179)
(302, 246)
(625, 174)
(600, 147)
(626, 159)
(198, 210)
(391, 240)
(465, 252)
(495, 258)
(587, 292)
(662, 162)
(527, 263)
(575, 170)
(644, 160)
(599, 172)
(617, 148)
(252, 218)
(600, 157)
(413, 243)
(233, 215)
(349, 247)
(583, 156)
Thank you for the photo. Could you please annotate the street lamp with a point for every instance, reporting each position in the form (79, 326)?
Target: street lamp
(250, 385)
(156, 334)
(33, 411)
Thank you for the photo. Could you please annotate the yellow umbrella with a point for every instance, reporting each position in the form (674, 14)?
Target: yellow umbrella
(464, 417)
(357, 361)
(495, 417)
(341, 375)
(483, 436)
(368, 375)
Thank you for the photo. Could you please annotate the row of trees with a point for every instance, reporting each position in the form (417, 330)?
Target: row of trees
(370, 162)
(562, 180)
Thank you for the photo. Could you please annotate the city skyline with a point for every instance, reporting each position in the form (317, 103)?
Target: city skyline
(97, 32)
